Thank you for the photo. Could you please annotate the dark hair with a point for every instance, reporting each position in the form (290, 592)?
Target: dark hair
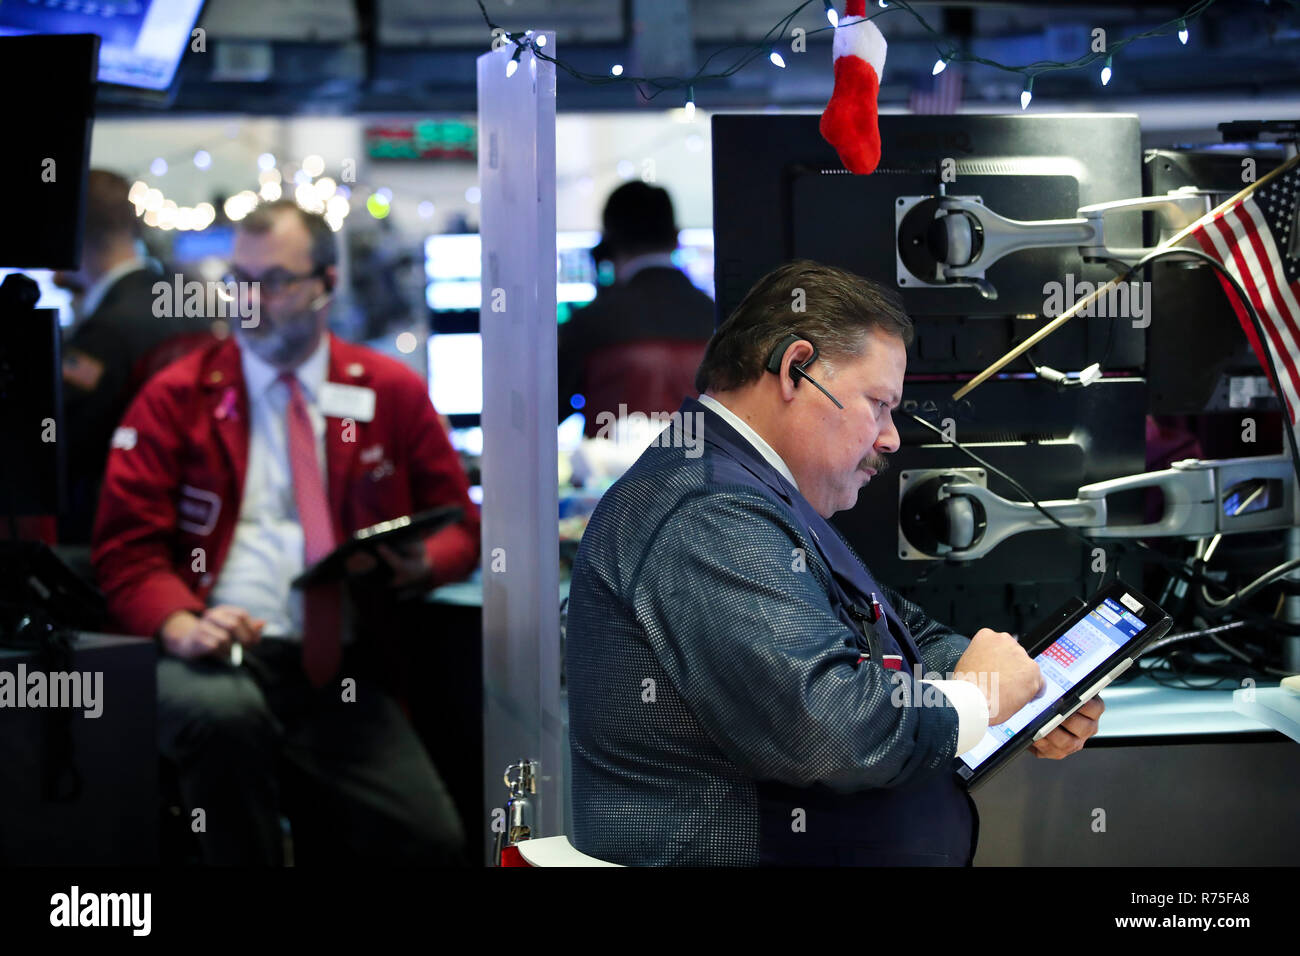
(638, 218)
(109, 211)
(324, 247)
(830, 307)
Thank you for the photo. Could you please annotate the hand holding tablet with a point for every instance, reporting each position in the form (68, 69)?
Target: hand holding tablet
(399, 537)
(1072, 734)
(1079, 649)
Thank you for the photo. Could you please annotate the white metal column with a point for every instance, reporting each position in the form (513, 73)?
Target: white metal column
(521, 575)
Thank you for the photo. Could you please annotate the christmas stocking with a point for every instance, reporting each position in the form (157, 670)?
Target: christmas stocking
(849, 120)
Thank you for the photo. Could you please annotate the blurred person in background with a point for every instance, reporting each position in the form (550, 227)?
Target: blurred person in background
(640, 341)
(235, 469)
(115, 330)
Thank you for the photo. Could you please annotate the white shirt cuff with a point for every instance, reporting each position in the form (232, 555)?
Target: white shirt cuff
(972, 711)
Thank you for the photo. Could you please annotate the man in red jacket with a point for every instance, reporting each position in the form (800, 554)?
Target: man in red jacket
(233, 469)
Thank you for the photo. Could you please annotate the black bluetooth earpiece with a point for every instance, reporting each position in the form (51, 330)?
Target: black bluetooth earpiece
(797, 371)
(326, 296)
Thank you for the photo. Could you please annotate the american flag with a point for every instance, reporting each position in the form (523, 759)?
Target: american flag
(1257, 239)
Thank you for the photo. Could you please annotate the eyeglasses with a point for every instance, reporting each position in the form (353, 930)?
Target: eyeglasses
(274, 282)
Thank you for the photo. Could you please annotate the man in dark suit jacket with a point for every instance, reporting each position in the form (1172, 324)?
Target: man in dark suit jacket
(639, 343)
(740, 687)
(117, 326)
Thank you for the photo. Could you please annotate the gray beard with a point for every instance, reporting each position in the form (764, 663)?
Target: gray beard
(287, 343)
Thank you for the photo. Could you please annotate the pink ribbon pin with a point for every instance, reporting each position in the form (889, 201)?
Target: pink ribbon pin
(226, 409)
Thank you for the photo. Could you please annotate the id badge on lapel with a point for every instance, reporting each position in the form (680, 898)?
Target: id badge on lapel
(868, 629)
(868, 620)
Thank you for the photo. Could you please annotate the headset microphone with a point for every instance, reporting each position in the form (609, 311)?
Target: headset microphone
(322, 299)
(797, 371)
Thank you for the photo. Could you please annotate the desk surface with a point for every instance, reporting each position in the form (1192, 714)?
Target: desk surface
(86, 641)
(1143, 708)
(1138, 708)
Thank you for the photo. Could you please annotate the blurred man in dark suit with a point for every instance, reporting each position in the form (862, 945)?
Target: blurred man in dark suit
(115, 328)
(639, 343)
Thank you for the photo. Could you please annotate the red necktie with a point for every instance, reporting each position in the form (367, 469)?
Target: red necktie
(321, 649)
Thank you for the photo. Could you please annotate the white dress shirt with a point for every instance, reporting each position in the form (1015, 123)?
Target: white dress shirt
(751, 436)
(267, 550)
(966, 698)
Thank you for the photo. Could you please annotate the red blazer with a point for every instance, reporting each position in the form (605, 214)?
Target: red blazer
(175, 478)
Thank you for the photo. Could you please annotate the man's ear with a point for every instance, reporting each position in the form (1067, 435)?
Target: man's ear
(330, 277)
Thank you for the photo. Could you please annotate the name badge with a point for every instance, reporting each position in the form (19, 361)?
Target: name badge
(347, 401)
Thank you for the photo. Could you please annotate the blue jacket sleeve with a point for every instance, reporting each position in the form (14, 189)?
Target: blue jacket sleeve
(940, 646)
(735, 605)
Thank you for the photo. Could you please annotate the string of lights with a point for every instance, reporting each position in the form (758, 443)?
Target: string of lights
(948, 52)
(304, 182)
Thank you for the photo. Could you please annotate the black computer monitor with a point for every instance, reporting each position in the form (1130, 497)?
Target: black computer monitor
(31, 410)
(49, 91)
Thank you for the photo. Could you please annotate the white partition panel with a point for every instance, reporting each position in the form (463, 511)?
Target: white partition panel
(521, 618)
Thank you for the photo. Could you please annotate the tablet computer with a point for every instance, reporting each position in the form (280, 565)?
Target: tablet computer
(333, 565)
(1080, 648)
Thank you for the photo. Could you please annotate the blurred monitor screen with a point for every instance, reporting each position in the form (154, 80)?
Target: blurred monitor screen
(215, 242)
(694, 256)
(452, 265)
(142, 41)
(456, 373)
(52, 296)
(576, 271)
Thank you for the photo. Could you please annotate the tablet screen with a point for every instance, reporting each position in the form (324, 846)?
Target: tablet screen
(1069, 659)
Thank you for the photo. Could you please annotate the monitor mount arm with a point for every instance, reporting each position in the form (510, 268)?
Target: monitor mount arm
(950, 513)
(947, 240)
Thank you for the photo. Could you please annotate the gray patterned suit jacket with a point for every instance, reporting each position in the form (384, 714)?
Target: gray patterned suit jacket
(714, 678)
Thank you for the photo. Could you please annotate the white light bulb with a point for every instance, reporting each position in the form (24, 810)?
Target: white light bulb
(616, 69)
(541, 40)
(690, 111)
(1182, 32)
(1105, 75)
(776, 58)
(939, 66)
(511, 67)
(1025, 97)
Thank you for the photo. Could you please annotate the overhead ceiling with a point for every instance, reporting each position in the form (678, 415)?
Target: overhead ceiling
(344, 56)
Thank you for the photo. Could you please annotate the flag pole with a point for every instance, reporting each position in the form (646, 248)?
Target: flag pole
(1074, 310)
